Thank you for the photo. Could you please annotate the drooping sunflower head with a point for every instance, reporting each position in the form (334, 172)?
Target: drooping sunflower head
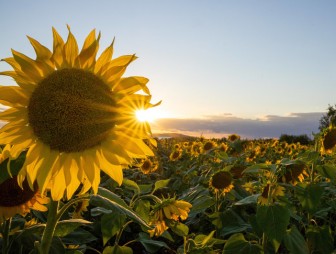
(74, 113)
(294, 173)
(270, 193)
(329, 140)
(221, 182)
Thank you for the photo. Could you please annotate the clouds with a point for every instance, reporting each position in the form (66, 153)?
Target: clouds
(221, 125)
(271, 126)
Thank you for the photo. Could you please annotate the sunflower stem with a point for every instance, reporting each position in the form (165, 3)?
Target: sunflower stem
(5, 234)
(49, 230)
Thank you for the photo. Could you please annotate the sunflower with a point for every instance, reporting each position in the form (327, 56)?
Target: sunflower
(270, 193)
(175, 155)
(233, 137)
(74, 114)
(209, 145)
(169, 209)
(329, 140)
(16, 200)
(149, 165)
(196, 148)
(294, 173)
(221, 182)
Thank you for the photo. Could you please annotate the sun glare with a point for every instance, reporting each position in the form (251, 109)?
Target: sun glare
(146, 115)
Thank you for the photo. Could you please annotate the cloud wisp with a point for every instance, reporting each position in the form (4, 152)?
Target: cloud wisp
(270, 126)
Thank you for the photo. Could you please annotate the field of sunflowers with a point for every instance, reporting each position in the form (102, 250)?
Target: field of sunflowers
(80, 174)
(195, 195)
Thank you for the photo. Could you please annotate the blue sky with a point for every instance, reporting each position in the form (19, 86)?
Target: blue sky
(205, 59)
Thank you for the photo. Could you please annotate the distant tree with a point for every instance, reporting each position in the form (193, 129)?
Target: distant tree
(302, 139)
(328, 118)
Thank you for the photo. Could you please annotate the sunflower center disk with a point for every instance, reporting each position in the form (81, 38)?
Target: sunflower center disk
(72, 110)
(13, 195)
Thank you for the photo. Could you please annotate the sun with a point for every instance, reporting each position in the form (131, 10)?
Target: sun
(146, 115)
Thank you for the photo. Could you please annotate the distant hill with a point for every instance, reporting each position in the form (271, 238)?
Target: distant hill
(172, 135)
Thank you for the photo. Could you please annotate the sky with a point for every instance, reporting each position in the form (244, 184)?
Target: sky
(259, 68)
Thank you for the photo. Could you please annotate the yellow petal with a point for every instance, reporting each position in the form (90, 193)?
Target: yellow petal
(13, 96)
(45, 172)
(42, 52)
(58, 44)
(87, 56)
(131, 85)
(58, 187)
(103, 59)
(71, 50)
(28, 66)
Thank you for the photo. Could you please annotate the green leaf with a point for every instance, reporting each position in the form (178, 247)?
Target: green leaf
(160, 184)
(131, 185)
(248, 200)
(320, 239)
(232, 223)
(143, 209)
(65, 227)
(145, 188)
(178, 228)
(309, 196)
(152, 246)
(208, 240)
(295, 242)
(200, 204)
(116, 249)
(257, 168)
(111, 196)
(108, 202)
(273, 220)
(327, 170)
(237, 244)
(79, 237)
(110, 224)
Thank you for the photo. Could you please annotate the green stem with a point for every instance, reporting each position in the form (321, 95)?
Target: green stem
(68, 205)
(50, 228)
(116, 242)
(5, 235)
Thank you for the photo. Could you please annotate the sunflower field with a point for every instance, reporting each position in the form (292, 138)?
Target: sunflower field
(195, 195)
(80, 174)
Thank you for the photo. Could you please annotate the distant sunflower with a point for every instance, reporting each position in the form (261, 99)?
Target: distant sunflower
(209, 145)
(149, 165)
(175, 155)
(75, 115)
(221, 182)
(233, 137)
(15, 200)
(196, 148)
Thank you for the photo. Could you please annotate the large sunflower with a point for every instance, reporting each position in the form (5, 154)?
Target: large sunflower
(74, 114)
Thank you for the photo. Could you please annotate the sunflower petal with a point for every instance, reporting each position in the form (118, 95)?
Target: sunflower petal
(13, 96)
(104, 59)
(42, 52)
(71, 50)
(87, 56)
(28, 66)
(58, 45)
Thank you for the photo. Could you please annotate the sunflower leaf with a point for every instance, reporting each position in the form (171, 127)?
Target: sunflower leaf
(65, 227)
(110, 201)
